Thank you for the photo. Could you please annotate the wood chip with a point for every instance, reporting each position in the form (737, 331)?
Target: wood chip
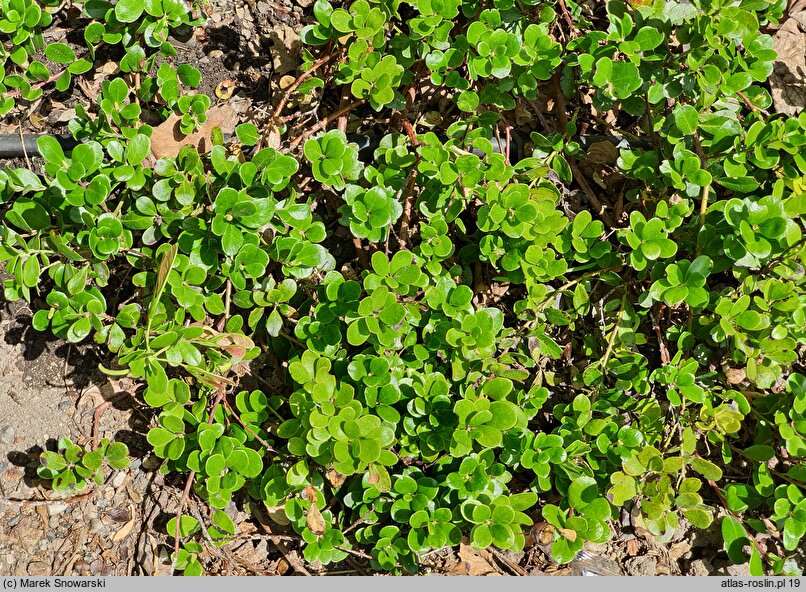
(126, 529)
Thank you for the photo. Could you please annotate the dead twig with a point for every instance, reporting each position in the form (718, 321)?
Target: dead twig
(247, 428)
(509, 564)
(595, 202)
(189, 483)
(325, 122)
(750, 105)
(221, 552)
(302, 78)
(567, 17)
(408, 187)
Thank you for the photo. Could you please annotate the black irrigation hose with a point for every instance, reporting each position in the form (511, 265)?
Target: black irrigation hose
(14, 146)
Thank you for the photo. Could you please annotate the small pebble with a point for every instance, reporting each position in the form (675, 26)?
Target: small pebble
(38, 568)
(99, 527)
(56, 508)
(65, 405)
(118, 479)
(7, 434)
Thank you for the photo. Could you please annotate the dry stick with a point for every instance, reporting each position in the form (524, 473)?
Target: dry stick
(96, 420)
(360, 554)
(612, 339)
(326, 121)
(359, 521)
(279, 542)
(567, 17)
(408, 187)
(598, 205)
(750, 105)
(221, 552)
(304, 76)
(13, 94)
(559, 101)
(25, 152)
(248, 429)
(44, 502)
(341, 123)
(600, 209)
(189, 483)
(508, 562)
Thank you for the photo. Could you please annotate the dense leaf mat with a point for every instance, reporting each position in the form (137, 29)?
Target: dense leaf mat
(413, 331)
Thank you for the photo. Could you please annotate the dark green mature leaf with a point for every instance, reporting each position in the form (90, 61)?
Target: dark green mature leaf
(60, 53)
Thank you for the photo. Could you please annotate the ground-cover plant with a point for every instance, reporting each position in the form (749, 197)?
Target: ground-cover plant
(491, 357)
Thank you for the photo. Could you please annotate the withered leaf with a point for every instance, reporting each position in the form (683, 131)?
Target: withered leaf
(315, 521)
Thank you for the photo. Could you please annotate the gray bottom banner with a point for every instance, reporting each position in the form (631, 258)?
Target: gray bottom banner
(404, 584)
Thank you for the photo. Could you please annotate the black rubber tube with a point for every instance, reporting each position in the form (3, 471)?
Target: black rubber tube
(12, 146)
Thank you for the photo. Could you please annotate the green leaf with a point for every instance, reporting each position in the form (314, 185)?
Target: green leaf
(30, 271)
(699, 517)
(128, 11)
(248, 134)
(187, 526)
(79, 330)
(50, 149)
(756, 566)
(223, 522)
(468, 101)
(706, 468)
(735, 537)
(582, 491)
(759, 452)
(685, 118)
(138, 148)
(60, 53)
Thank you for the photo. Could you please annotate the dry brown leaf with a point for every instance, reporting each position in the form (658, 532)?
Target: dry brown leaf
(126, 529)
(474, 563)
(274, 139)
(734, 375)
(543, 533)
(309, 493)
(336, 479)
(315, 521)
(225, 89)
(167, 139)
(286, 81)
(602, 153)
(93, 393)
(788, 79)
(277, 514)
(571, 535)
(135, 496)
(282, 566)
(109, 68)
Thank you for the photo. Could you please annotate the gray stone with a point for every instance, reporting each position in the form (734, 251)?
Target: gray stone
(56, 508)
(7, 434)
(700, 567)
